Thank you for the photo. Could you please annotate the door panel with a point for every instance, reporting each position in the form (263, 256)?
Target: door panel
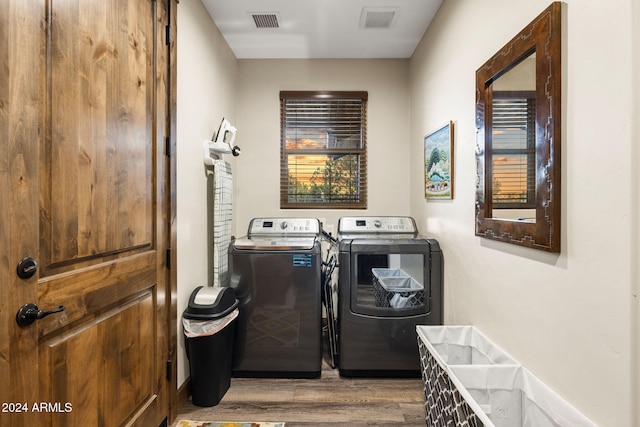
(83, 116)
(102, 377)
(97, 155)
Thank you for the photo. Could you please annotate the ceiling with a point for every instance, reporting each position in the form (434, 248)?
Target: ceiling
(322, 28)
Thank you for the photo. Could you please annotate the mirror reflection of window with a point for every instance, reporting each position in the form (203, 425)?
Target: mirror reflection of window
(513, 142)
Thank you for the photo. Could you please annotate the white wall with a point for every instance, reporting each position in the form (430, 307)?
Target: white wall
(570, 318)
(207, 84)
(258, 168)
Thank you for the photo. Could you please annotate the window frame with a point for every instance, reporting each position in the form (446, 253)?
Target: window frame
(360, 152)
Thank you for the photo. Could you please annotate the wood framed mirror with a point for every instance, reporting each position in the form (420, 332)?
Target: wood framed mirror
(518, 120)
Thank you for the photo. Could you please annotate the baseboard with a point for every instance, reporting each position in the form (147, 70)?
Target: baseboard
(184, 393)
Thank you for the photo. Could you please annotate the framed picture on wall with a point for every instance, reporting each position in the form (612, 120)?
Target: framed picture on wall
(438, 163)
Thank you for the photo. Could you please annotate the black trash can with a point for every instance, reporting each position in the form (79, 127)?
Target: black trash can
(209, 329)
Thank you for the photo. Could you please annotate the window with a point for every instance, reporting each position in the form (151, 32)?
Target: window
(513, 147)
(323, 150)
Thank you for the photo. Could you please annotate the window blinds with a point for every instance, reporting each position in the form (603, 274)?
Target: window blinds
(323, 150)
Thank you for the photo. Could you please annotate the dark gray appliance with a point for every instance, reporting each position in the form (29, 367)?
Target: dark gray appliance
(390, 280)
(276, 274)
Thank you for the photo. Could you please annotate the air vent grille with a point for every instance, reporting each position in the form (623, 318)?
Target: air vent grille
(377, 18)
(265, 20)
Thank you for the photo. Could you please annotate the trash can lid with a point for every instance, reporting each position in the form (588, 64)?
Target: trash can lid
(207, 303)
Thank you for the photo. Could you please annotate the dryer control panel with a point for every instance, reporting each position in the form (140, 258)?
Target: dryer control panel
(377, 225)
(284, 226)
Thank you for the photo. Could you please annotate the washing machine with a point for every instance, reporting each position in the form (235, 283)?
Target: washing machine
(276, 274)
(390, 280)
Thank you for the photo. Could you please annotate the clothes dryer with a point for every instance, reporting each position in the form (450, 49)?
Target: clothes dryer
(390, 281)
(276, 274)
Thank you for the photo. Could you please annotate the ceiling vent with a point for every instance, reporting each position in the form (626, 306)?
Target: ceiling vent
(378, 17)
(266, 20)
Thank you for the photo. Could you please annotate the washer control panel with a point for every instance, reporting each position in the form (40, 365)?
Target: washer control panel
(284, 226)
(377, 225)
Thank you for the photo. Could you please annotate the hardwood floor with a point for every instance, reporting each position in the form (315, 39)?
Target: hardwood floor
(326, 401)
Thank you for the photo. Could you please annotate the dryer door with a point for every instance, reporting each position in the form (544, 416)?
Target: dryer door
(390, 278)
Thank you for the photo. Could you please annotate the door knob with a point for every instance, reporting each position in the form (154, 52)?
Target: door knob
(29, 313)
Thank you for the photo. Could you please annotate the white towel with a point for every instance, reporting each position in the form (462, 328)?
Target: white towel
(222, 215)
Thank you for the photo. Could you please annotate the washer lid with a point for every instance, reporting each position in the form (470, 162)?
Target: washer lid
(275, 243)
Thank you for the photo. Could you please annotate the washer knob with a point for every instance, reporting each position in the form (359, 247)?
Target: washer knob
(377, 223)
(284, 225)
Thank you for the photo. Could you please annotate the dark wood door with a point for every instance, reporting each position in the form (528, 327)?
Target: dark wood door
(83, 181)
